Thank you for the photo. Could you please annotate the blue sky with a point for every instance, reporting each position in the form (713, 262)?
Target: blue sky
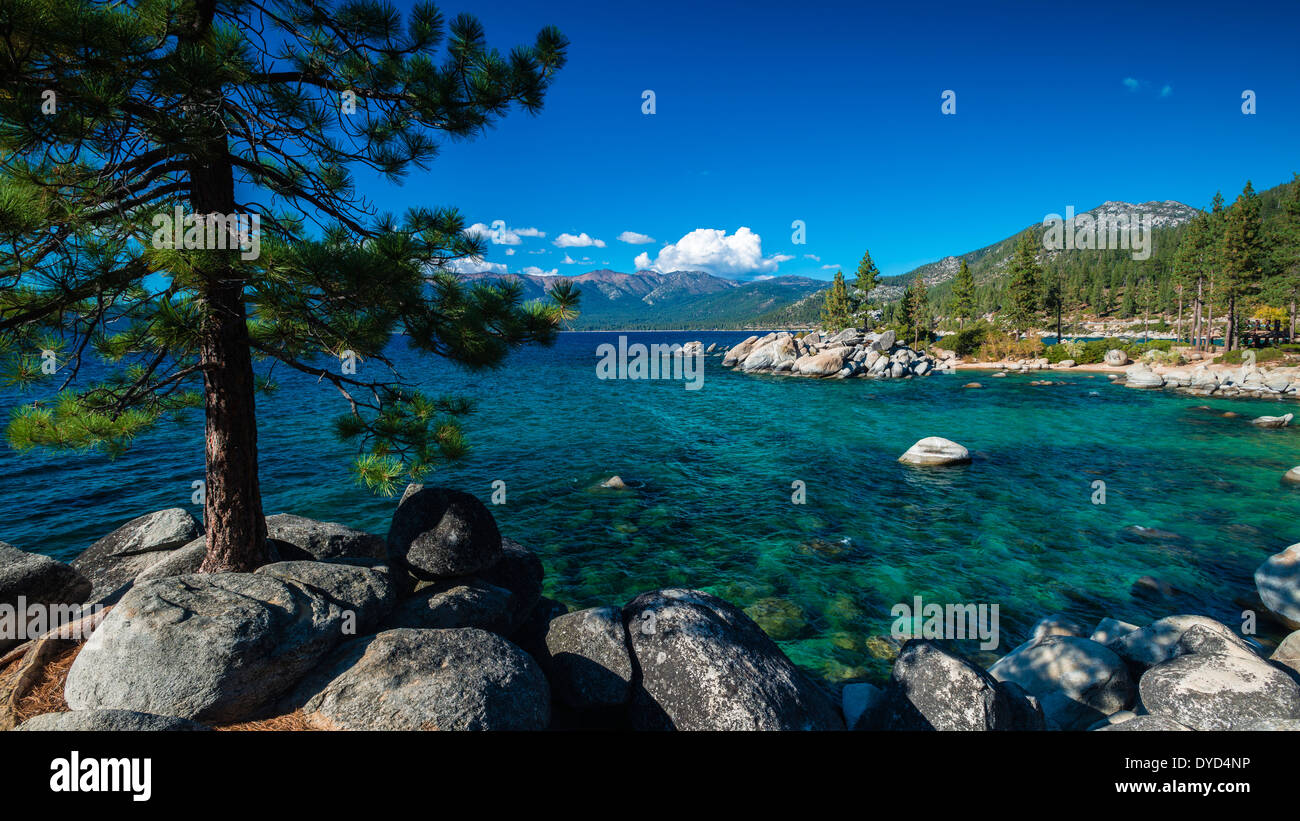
(829, 113)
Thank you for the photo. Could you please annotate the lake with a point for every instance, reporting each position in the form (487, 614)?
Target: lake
(715, 471)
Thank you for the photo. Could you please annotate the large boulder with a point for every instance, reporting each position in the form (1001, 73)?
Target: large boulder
(1143, 377)
(324, 540)
(738, 352)
(117, 721)
(588, 660)
(120, 556)
(1116, 358)
(455, 603)
(933, 689)
(212, 646)
(439, 532)
(364, 594)
(884, 342)
(37, 580)
(935, 450)
(520, 571)
(1219, 691)
(1273, 421)
(409, 679)
(1278, 583)
(1288, 652)
(1159, 640)
(824, 363)
(706, 666)
(1076, 680)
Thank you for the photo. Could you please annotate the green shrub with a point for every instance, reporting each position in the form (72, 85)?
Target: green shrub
(968, 340)
(1261, 355)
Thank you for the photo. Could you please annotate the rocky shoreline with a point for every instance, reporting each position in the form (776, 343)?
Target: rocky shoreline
(443, 625)
(849, 353)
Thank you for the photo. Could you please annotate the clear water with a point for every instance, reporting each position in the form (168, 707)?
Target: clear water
(715, 466)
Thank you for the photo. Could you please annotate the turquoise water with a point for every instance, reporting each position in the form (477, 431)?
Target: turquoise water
(715, 466)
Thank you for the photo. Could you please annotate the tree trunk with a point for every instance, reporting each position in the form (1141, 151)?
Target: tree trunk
(232, 509)
(1291, 336)
(1230, 331)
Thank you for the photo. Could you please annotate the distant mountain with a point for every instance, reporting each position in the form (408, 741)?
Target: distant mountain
(990, 262)
(679, 299)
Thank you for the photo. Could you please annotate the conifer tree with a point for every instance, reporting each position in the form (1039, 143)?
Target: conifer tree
(1243, 256)
(918, 311)
(1284, 285)
(863, 284)
(837, 310)
(1023, 295)
(963, 294)
(116, 117)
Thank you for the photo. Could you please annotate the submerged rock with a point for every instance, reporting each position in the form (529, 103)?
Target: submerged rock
(1278, 583)
(706, 666)
(1273, 421)
(935, 450)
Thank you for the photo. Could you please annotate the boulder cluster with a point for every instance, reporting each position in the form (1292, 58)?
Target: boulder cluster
(849, 353)
(443, 625)
(1248, 381)
(1177, 673)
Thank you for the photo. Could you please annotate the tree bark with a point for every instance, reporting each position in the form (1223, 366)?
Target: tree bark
(232, 509)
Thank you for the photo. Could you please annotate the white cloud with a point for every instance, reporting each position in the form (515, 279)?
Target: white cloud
(510, 252)
(713, 250)
(538, 272)
(813, 257)
(474, 265)
(579, 241)
(499, 234)
(829, 267)
(568, 260)
(782, 258)
(633, 238)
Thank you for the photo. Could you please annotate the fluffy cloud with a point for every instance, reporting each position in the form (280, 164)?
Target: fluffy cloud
(579, 241)
(633, 238)
(474, 265)
(499, 234)
(538, 272)
(813, 257)
(713, 250)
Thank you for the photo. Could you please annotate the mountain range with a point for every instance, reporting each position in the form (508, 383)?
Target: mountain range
(697, 300)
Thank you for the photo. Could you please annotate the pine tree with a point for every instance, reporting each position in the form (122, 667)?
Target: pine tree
(863, 284)
(1023, 293)
(963, 294)
(1243, 255)
(118, 116)
(1285, 243)
(918, 311)
(837, 310)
